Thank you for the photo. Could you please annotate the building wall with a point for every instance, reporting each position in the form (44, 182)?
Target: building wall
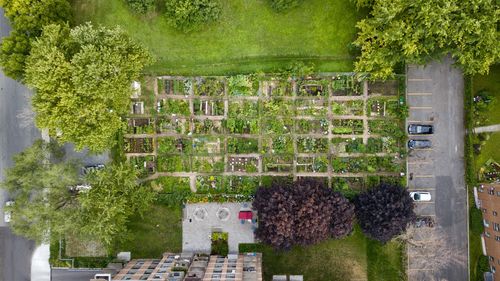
(489, 200)
(242, 267)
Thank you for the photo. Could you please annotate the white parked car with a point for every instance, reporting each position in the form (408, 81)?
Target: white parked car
(7, 213)
(420, 196)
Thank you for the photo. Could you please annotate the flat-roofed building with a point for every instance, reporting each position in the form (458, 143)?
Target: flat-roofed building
(198, 267)
(487, 197)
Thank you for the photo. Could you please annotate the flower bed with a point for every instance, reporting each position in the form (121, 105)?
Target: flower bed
(319, 126)
(277, 125)
(173, 107)
(209, 87)
(347, 126)
(278, 145)
(172, 124)
(208, 107)
(242, 145)
(312, 145)
(207, 126)
(316, 107)
(353, 107)
(138, 145)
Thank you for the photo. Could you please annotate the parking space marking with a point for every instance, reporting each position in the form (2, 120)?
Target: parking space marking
(422, 188)
(419, 162)
(419, 79)
(420, 94)
(420, 107)
(423, 176)
(420, 121)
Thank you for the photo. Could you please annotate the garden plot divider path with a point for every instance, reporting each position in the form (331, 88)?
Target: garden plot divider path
(308, 108)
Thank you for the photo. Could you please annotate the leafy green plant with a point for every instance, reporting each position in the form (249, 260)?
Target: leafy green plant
(241, 85)
(282, 5)
(141, 6)
(189, 15)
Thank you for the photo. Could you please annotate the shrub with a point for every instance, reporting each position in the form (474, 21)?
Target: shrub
(141, 6)
(281, 5)
(189, 15)
(219, 244)
(384, 212)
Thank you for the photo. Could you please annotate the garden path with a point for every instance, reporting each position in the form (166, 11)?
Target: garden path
(485, 129)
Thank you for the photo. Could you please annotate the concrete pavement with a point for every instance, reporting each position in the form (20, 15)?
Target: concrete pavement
(487, 129)
(435, 96)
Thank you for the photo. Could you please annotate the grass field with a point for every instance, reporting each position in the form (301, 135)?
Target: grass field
(159, 231)
(352, 258)
(490, 83)
(249, 36)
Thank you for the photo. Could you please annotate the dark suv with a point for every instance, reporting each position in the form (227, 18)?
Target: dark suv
(416, 129)
(412, 144)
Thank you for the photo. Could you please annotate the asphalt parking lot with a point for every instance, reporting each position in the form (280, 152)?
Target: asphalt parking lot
(435, 97)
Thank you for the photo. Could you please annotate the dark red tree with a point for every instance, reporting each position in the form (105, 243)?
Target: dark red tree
(384, 212)
(301, 213)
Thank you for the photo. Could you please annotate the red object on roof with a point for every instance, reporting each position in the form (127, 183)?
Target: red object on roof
(245, 215)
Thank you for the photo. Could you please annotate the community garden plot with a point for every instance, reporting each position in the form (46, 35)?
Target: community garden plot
(216, 131)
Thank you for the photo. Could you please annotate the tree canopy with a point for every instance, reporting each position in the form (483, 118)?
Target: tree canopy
(82, 77)
(301, 213)
(141, 6)
(384, 212)
(38, 183)
(47, 200)
(112, 200)
(418, 31)
(27, 19)
(189, 15)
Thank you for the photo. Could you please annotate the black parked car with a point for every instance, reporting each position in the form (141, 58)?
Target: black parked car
(416, 129)
(412, 144)
(90, 168)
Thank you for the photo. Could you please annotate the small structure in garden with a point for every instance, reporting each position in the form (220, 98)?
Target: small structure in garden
(137, 108)
(200, 214)
(223, 214)
(136, 90)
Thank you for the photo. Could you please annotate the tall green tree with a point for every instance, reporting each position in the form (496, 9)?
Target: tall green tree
(82, 77)
(49, 198)
(39, 185)
(113, 198)
(27, 18)
(416, 31)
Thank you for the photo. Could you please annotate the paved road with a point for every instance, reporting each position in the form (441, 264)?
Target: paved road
(435, 96)
(15, 252)
(62, 274)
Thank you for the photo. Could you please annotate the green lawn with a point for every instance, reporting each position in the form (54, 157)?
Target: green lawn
(489, 150)
(159, 231)
(352, 258)
(490, 83)
(249, 36)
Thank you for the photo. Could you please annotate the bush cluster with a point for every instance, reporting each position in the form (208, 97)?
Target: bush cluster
(141, 6)
(189, 15)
